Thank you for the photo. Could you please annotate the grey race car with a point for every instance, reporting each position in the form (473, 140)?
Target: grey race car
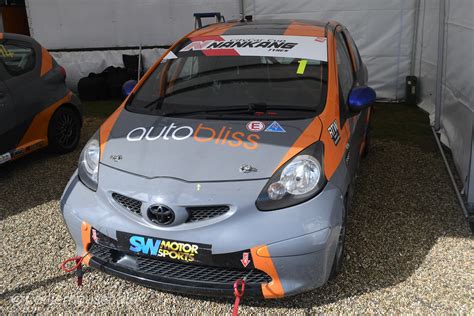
(36, 107)
(232, 158)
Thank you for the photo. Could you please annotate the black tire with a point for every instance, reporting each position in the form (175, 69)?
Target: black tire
(64, 130)
(339, 256)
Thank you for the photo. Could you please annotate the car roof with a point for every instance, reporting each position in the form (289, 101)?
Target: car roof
(266, 27)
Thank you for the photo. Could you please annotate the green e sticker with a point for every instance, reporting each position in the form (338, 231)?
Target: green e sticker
(302, 66)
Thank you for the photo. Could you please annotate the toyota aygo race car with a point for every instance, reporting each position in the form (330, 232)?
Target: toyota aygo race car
(36, 107)
(232, 158)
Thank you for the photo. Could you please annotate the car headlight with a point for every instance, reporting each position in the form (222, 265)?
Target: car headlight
(89, 163)
(298, 180)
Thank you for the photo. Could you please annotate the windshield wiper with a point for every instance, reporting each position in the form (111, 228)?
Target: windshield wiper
(251, 108)
(158, 103)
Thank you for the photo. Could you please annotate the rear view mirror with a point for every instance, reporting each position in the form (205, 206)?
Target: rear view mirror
(128, 86)
(360, 98)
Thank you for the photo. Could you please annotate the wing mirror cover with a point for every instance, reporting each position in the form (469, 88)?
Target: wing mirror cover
(361, 98)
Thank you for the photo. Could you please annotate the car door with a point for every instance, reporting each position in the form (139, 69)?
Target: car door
(7, 116)
(10, 129)
(23, 79)
(19, 68)
(361, 78)
(348, 80)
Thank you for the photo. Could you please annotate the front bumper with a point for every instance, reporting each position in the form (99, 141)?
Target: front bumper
(101, 260)
(294, 247)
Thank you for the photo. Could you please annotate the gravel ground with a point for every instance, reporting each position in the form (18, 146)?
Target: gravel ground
(409, 249)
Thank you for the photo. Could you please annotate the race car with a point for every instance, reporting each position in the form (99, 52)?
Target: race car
(36, 107)
(233, 158)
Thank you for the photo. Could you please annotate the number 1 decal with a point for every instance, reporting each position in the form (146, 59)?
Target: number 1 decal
(301, 67)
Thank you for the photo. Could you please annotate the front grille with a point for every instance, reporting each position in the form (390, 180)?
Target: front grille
(183, 271)
(129, 204)
(101, 252)
(191, 272)
(202, 213)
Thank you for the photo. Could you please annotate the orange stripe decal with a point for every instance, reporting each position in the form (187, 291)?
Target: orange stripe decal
(333, 154)
(86, 240)
(46, 62)
(274, 289)
(86, 259)
(38, 129)
(107, 126)
(308, 137)
(86, 235)
(312, 133)
(300, 29)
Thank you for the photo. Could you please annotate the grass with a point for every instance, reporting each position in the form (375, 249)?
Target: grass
(399, 122)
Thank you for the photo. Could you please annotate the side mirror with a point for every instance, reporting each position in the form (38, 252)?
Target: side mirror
(128, 86)
(361, 98)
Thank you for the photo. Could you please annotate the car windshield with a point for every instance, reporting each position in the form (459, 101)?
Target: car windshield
(213, 84)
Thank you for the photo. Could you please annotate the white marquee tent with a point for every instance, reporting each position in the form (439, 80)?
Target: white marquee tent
(431, 39)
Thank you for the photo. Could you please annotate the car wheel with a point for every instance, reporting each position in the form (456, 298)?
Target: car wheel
(64, 130)
(339, 256)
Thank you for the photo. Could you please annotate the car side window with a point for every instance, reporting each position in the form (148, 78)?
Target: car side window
(16, 58)
(354, 50)
(344, 68)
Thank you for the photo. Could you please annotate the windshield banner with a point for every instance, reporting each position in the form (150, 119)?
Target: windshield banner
(305, 47)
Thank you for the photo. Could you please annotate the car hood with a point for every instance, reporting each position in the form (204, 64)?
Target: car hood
(203, 150)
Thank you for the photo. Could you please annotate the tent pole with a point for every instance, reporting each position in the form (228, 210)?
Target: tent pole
(440, 65)
(415, 38)
(451, 177)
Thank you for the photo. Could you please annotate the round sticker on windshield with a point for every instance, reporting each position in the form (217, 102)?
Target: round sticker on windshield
(255, 126)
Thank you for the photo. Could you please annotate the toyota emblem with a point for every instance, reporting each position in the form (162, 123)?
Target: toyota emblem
(161, 214)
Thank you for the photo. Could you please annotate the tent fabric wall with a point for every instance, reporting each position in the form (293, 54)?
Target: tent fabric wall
(94, 24)
(383, 31)
(457, 94)
(457, 107)
(73, 24)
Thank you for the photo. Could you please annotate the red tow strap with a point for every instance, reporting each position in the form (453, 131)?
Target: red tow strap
(78, 260)
(238, 294)
(77, 268)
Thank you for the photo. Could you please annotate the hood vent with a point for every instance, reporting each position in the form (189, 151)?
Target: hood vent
(132, 205)
(202, 213)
